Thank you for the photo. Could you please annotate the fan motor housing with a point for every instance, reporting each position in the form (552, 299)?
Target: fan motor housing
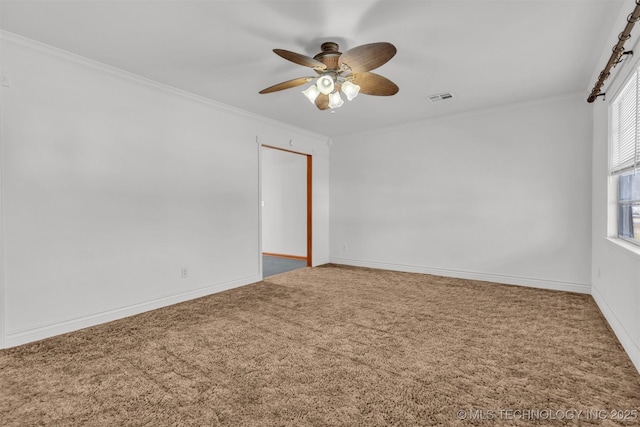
(329, 55)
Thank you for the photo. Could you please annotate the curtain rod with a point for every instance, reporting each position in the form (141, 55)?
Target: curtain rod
(616, 55)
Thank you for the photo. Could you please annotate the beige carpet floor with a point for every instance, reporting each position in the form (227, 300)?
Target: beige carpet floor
(334, 346)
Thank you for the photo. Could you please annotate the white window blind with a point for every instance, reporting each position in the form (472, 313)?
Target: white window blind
(625, 127)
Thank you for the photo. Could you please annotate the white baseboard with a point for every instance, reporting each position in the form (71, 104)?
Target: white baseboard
(623, 336)
(507, 280)
(47, 331)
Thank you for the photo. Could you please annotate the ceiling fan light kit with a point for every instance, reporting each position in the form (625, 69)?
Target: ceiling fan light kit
(325, 84)
(350, 90)
(334, 100)
(312, 93)
(347, 72)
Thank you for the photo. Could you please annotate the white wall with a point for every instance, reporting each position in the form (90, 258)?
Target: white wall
(501, 195)
(615, 264)
(112, 184)
(284, 197)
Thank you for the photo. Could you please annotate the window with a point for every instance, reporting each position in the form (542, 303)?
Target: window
(625, 125)
(629, 208)
(625, 156)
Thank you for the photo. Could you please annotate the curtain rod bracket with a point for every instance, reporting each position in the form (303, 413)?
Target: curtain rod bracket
(592, 97)
(622, 57)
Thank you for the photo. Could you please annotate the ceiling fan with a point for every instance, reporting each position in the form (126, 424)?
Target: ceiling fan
(349, 73)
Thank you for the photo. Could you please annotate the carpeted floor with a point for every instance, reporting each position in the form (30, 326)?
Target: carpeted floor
(334, 346)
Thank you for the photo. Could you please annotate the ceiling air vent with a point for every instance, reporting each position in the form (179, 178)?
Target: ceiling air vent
(440, 97)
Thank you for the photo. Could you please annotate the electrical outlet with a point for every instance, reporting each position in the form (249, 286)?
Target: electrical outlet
(184, 274)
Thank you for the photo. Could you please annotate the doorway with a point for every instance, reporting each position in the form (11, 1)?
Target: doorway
(286, 210)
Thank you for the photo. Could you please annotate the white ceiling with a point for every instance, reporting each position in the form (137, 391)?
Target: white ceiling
(487, 52)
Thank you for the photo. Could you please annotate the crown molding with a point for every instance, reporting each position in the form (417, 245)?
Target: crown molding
(471, 113)
(9, 38)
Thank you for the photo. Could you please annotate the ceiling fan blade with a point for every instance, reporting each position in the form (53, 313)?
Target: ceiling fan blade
(287, 85)
(300, 59)
(375, 84)
(367, 56)
(322, 102)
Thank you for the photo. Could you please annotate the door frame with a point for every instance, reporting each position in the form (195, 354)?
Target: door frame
(309, 179)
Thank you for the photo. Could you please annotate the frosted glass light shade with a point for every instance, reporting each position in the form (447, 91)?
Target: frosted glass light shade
(311, 93)
(334, 100)
(350, 90)
(325, 84)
